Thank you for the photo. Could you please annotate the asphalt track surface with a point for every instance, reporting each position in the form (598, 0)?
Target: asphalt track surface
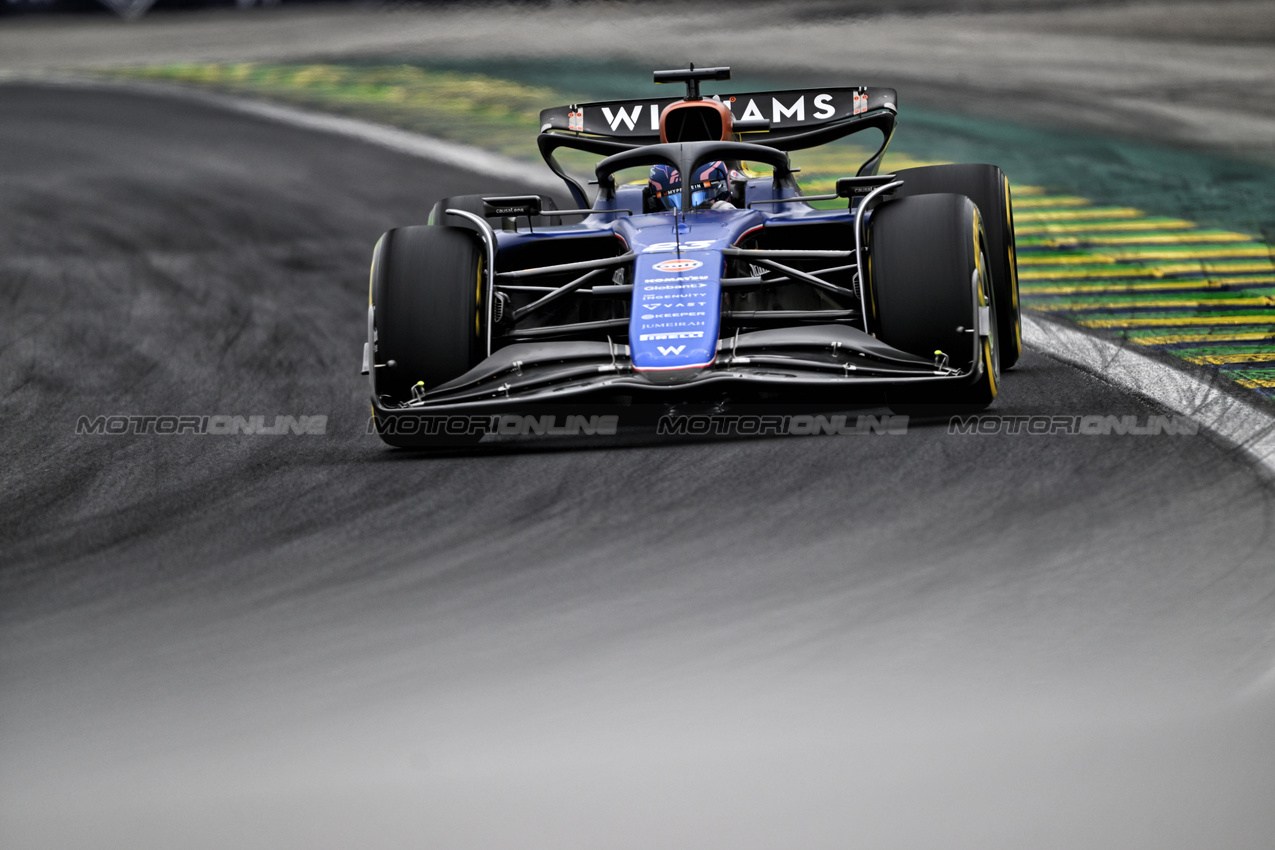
(919, 640)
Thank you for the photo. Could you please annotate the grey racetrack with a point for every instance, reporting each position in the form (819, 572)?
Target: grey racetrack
(918, 640)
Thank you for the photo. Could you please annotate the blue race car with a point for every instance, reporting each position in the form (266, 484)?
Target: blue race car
(698, 273)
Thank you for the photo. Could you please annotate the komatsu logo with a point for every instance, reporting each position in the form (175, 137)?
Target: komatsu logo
(673, 280)
(677, 265)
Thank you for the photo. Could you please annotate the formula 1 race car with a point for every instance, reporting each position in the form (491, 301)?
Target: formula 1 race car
(709, 279)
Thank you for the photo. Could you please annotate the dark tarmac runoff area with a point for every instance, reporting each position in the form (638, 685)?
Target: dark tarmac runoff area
(919, 640)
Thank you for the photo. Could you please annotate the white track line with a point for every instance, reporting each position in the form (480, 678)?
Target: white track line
(456, 155)
(1238, 422)
(452, 154)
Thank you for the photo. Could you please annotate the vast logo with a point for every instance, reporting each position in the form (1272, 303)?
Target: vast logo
(668, 350)
(677, 265)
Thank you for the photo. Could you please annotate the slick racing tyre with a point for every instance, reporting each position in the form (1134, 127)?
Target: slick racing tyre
(988, 187)
(429, 317)
(928, 273)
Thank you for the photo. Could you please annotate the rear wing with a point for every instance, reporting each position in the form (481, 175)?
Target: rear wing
(790, 114)
(787, 120)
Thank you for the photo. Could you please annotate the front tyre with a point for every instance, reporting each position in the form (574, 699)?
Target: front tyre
(928, 274)
(988, 187)
(428, 316)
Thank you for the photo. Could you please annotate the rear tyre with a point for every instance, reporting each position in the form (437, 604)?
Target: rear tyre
(429, 317)
(988, 187)
(928, 276)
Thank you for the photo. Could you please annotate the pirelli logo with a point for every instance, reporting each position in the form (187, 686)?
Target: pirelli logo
(671, 335)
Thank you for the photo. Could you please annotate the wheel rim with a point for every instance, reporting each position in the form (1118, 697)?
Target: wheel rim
(991, 345)
(1013, 266)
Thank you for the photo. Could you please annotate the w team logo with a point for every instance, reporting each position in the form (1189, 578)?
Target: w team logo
(677, 265)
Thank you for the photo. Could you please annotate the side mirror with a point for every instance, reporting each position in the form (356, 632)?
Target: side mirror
(511, 205)
(857, 187)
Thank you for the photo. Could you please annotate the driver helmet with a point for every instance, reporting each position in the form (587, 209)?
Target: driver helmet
(711, 184)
